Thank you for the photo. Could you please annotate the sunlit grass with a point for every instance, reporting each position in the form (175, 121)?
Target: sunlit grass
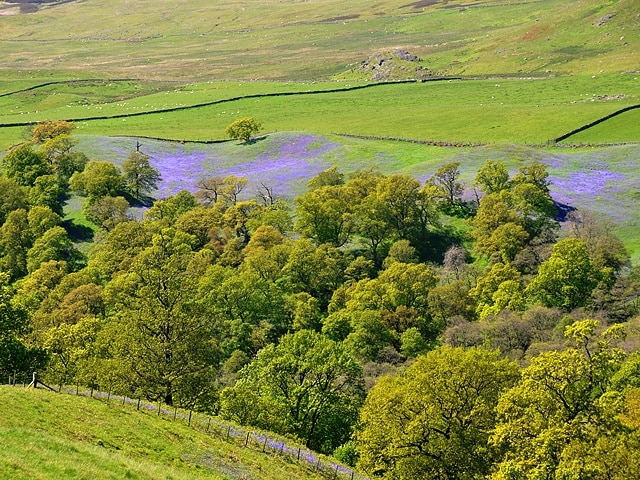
(464, 111)
(54, 436)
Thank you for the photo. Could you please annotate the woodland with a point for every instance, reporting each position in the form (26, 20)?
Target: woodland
(406, 327)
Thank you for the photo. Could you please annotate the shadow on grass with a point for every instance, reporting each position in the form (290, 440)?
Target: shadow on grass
(563, 210)
(255, 140)
(435, 243)
(144, 201)
(78, 233)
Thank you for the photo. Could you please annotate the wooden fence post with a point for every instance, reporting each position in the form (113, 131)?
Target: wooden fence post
(264, 445)
(299, 448)
(228, 431)
(159, 406)
(175, 412)
(138, 403)
(190, 412)
(246, 440)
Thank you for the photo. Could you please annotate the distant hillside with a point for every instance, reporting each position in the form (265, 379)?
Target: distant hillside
(56, 436)
(319, 39)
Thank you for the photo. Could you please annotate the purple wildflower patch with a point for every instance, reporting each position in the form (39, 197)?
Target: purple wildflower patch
(590, 182)
(284, 162)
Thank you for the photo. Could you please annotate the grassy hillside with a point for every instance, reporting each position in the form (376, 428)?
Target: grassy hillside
(53, 436)
(270, 39)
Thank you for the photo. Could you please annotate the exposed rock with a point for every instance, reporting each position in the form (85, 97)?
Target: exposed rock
(397, 65)
(604, 20)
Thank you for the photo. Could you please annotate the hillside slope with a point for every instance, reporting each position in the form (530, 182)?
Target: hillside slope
(96, 440)
(319, 39)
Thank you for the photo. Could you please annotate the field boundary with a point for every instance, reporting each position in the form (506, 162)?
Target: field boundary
(435, 143)
(228, 100)
(595, 122)
(80, 81)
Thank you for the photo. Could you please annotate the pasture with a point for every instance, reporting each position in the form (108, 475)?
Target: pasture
(487, 111)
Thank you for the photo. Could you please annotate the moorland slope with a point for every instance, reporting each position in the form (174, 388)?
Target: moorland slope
(269, 39)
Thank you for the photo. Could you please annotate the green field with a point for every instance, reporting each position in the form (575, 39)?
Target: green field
(54, 436)
(528, 111)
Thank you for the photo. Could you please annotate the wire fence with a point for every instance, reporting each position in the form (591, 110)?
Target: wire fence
(266, 443)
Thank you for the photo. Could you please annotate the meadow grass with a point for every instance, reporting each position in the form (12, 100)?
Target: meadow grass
(269, 39)
(52, 436)
(88, 99)
(531, 111)
(624, 128)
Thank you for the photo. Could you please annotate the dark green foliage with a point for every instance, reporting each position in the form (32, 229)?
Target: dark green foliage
(308, 386)
(12, 197)
(16, 358)
(139, 175)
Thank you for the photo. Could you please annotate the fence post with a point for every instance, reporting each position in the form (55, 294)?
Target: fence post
(246, 440)
(138, 403)
(109, 396)
(159, 406)
(299, 448)
(190, 412)
(352, 474)
(264, 445)
(335, 475)
(91, 390)
(282, 447)
(124, 397)
(228, 431)
(175, 412)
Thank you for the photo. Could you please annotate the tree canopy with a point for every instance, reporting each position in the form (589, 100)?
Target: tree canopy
(243, 129)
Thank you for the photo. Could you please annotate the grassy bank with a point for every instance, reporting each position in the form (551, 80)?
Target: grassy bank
(51, 436)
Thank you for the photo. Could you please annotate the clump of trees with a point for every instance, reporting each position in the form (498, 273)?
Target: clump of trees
(363, 324)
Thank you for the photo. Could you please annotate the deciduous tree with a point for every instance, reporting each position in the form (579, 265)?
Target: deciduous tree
(567, 279)
(243, 129)
(162, 343)
(307, 385)
(434, 420)
(139, 175)
(552, 420)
